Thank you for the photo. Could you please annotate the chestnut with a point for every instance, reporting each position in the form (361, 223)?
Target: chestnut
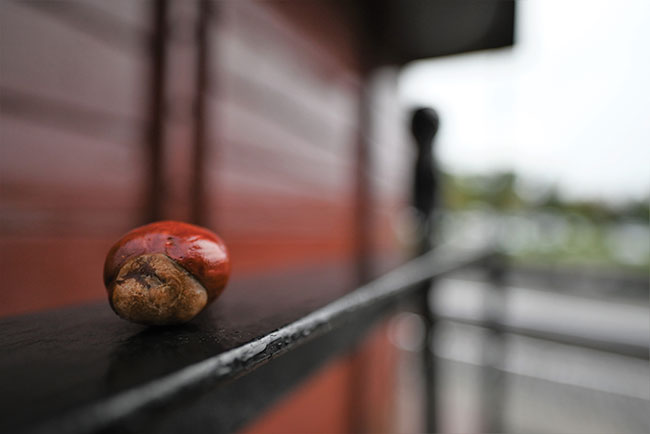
(165, 272)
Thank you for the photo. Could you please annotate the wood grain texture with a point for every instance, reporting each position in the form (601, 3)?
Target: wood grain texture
(281, 120)
(86, 354)
(281, 131)
(280, 171)
(51, 57)
(73, 165)
(56, 182)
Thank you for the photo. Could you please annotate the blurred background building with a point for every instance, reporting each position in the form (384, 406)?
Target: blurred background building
(284, 126)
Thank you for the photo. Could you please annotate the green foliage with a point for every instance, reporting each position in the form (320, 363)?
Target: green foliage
(499, 191)
(592, 229)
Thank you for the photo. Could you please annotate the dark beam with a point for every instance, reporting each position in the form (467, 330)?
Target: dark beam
(82, 369)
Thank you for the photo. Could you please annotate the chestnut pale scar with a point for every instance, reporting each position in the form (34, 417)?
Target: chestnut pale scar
(153, 289)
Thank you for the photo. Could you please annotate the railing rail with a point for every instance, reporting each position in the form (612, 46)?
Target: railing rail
(589, 342)
(150, 399)
(284, 355)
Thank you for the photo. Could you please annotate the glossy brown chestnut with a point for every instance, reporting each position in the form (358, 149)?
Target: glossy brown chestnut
(165, 272)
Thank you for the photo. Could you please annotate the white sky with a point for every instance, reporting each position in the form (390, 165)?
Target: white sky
(569, 104)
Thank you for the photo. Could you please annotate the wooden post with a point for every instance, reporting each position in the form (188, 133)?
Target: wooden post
(492, 387)
(202, 86)
(424, 126)
(155, 134)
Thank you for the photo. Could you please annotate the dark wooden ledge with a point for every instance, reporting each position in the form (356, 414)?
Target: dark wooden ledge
(82, 369)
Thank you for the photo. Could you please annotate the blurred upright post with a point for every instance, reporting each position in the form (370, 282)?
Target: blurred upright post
(424, 127)
(202, 89)
(493, 388)
(155, 111)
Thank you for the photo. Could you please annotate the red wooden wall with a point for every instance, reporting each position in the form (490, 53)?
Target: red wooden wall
(274, 168)
(73, 168)
(283, 115)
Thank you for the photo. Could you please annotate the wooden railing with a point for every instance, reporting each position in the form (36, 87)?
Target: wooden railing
(79, 370)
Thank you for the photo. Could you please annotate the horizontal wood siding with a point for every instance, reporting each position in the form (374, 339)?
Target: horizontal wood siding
(72, 157)
(278, 171)
(284, 83)
(280, 162)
